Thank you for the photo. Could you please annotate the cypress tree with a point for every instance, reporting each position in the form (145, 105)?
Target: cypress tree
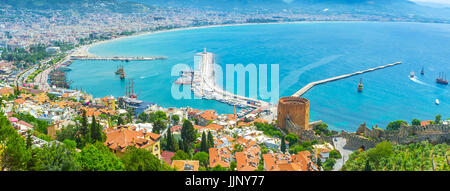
(188, 132)
(283, 145)
(29, 140)
(95, 130)
(367, 166)
(169, 142)
(210, 140)
(204, 144)
(120, 120)
(84, 125)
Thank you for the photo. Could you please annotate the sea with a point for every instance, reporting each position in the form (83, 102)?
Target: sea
(304, 52)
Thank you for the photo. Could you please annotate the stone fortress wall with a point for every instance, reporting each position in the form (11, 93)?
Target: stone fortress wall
(367, 138)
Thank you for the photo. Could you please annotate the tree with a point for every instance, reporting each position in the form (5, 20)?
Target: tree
(335, 154)
(140, 160)
(96, 131)
(202, 157)
(29, 141)
(84, 125)
(367, 166)
(157, 115)
(180, 155)
(204, 144)
(292, 139)
(70, 143)
(210, 140)
(219, 168)
(175, 119)
(437, 119)
(15, 155)
(329, 164)
(57, 157)
(415, 122)
(283, 145)
(98, 158)
(158, 126)
(188, 132)
(143, 117)
(170, 144)
(381, 150)
(120, 120)
(395, 125)
(233, 166)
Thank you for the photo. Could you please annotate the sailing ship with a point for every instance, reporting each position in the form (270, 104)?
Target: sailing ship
(441, 79)
(119, 70)
(360, 85)
(122, 75)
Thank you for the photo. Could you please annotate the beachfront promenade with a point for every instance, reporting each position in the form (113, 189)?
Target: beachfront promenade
(312, 84)
(116, 58)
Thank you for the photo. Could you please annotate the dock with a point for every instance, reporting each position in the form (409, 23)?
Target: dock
(116, 58)
(203, 85)
(312, 84)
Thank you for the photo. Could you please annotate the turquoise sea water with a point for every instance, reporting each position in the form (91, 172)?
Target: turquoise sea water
(305, 52)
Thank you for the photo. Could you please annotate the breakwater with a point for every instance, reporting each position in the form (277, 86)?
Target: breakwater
(312, 84)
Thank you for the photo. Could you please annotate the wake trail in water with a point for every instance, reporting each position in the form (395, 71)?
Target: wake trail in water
(414, 79)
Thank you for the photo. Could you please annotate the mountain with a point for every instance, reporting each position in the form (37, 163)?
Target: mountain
(78, 5)
(385, 8)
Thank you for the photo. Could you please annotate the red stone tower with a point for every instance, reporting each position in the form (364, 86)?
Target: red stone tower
(293, 114)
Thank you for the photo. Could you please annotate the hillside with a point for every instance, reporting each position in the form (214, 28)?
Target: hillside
(78, 5)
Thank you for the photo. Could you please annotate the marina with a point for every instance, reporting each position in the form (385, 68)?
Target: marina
(204, 86)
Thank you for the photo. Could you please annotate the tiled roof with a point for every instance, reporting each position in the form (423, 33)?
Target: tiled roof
(281, 162)
(219, 156)
(121, 138)
(208, 115)
(424, 123)
(186, 165)
(248, 160)
(166, 155)
(25, 124)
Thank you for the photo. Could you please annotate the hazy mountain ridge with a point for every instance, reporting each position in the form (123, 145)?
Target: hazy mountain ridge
(78, 5)
(395, 8)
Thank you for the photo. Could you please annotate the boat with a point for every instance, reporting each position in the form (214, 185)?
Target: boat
(360, 85)
(441, 79)
(119, 70)
(411, 75)
(437, 101)
(421, 72)
(122, 75)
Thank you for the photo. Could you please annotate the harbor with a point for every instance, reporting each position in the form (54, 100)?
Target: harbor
(312, 84)
(204, 86)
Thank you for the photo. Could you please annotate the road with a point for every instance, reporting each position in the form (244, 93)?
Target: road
(42, 78)
(339, 145)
